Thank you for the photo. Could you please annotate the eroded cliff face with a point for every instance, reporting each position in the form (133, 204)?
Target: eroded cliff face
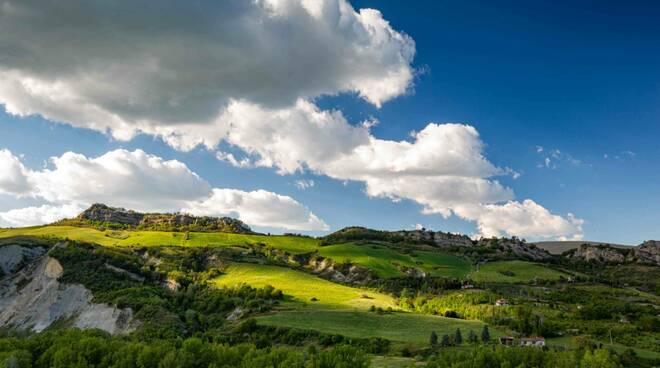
(32, 298)
(646, 253)
(649, 252)
(598, 253)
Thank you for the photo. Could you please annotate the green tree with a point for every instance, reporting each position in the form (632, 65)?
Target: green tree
(472, 337)
(485, 334)
(445, 341)
(599, 358)
(433, 339)
(458, 337)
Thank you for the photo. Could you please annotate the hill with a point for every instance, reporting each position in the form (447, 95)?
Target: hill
(559, 247)
(378, 292)
(102, 216)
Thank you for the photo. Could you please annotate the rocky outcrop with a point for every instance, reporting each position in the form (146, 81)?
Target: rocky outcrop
(32, 298)
(649, 252)
(512, 247)
(597, 253)
(339, 272)
(433, 238)
(438, 238)
(100, 213)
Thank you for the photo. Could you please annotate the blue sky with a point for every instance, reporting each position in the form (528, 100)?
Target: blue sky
(575, 84)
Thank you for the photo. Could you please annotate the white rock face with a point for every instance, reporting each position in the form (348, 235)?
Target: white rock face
(32, 298)
(12, 255)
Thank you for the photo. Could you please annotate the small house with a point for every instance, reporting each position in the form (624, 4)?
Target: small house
(506, 340)
(532, 341)
(501, 302)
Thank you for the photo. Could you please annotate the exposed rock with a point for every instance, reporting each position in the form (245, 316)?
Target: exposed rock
(32, 298)
(339, 272)
(235, 315)
(122, 271)
(503, 247)
(598, 253)
(13, 255)
(649, 252)
(438, 238)
(100, 213)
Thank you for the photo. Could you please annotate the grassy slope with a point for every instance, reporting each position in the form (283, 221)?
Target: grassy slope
(340, 309)
(302, 286)
(397, 326)
(381, 259)
(523, 272)
(162, 238)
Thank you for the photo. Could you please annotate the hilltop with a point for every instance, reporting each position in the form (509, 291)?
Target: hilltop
(101, 215)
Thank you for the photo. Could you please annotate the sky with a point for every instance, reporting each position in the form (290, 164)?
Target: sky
(532, 119)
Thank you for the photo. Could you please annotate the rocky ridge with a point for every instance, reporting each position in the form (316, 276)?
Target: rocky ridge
(647, 253)
(100, 213)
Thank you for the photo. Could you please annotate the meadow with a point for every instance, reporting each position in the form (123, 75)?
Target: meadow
(302, 287)
(339, 309)
(395, 326)
(291, 244)
(383, 260)
(514, 272)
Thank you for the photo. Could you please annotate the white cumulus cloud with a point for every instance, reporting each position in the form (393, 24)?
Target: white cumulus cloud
(442, 168)
(13, 175)
(258, 207)
(140, 181)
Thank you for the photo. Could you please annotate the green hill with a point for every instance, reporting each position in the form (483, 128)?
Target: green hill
(388, 262)
(514, 272)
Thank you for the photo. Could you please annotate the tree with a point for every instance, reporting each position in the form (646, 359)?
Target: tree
(458, 337)
(472, 337)
(433, 339)
(445, 341)
(485, 335)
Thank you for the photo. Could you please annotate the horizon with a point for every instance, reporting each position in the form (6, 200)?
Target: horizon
(533, 120)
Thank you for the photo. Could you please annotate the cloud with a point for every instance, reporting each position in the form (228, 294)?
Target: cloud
(553, 158)
(13, 175)
(522, 219)
(303, 184)
(38, 215)
(258, 207)
(442, 168)
(170, 68)
(132, 179)
(137, 180)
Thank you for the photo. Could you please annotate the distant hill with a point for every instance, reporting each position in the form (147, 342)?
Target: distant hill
(100, 215)
(559, 247)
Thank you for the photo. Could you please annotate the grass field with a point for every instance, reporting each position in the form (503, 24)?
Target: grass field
(520, 271)
(303, 287)
(382, 260)
(290, 244)
(391, 362)
(397, 326)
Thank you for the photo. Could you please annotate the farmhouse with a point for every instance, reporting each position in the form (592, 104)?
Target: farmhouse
(532, 341)
(506, 340)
